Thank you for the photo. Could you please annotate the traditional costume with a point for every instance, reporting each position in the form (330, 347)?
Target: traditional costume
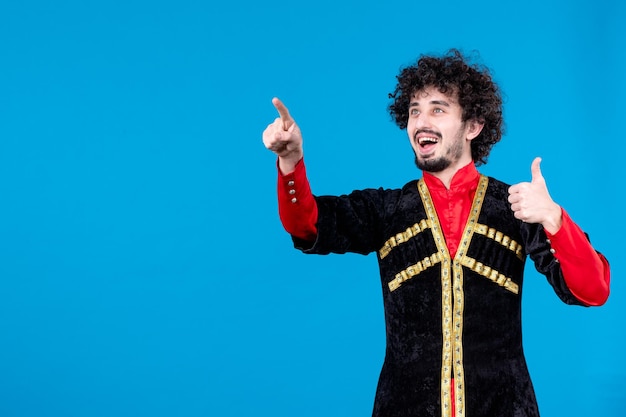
(451, 267)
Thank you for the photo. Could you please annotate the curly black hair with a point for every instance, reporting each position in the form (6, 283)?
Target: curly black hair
(478, 95)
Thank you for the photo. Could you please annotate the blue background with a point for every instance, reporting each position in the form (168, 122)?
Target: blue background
(143, 267)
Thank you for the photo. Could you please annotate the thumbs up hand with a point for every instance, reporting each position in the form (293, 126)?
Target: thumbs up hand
(531, 201)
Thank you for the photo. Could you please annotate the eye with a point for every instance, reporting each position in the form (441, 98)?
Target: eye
(414, 112)
(438, 110)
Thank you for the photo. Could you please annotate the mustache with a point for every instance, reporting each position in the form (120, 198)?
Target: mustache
(431, 132)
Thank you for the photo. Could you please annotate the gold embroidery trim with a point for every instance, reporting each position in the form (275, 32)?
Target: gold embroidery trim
(446, 299)
(459, 296)
(490, 273)
(501, 238)
(453, 297)
(403, 237)
(414, 270)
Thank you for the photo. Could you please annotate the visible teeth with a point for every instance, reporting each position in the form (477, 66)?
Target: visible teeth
(423, 141)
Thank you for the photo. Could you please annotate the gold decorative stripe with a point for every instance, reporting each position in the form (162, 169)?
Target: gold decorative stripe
(402, 237)
(501, 238)
(459, 297)
(446, 300)
(414, 270)
(490, 273)
(458, 367)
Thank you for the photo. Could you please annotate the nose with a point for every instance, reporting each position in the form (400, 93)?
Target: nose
(421, 121)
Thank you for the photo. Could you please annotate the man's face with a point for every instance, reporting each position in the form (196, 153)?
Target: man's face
(440, 139)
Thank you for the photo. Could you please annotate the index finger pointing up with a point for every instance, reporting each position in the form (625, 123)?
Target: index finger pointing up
(283, 112)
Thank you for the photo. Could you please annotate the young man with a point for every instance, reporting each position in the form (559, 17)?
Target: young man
(451, 247)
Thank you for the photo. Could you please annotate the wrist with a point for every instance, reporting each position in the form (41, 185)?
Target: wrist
(553, 220)
(287, 164)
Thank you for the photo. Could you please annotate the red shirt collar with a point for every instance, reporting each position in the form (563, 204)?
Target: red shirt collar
(464, 178)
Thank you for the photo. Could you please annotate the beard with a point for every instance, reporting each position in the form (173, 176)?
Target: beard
(452, 154)
(433, 165)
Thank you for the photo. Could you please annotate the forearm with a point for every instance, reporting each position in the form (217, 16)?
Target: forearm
(586, 272)
(296, 206)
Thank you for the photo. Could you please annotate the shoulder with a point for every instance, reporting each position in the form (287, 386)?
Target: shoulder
(410, 187)
(497, 188)
(382, 192)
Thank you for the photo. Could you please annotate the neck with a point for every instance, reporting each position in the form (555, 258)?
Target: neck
(446, 175)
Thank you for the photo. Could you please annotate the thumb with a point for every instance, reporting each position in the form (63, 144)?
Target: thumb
(535, 170)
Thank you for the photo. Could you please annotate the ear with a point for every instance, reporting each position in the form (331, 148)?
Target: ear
(473, 129)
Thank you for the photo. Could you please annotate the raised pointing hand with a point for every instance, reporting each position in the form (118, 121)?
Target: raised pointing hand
(531, 201)
(283, 137)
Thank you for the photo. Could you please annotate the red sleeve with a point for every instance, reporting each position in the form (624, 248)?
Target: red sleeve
(586, 272)
(296, 206)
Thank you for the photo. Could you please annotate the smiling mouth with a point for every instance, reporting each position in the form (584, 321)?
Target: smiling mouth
(426, 141)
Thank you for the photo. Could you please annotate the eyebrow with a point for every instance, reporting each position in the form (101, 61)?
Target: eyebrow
(435, 102)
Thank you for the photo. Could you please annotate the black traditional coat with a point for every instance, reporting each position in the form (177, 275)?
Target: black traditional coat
(445, 318)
